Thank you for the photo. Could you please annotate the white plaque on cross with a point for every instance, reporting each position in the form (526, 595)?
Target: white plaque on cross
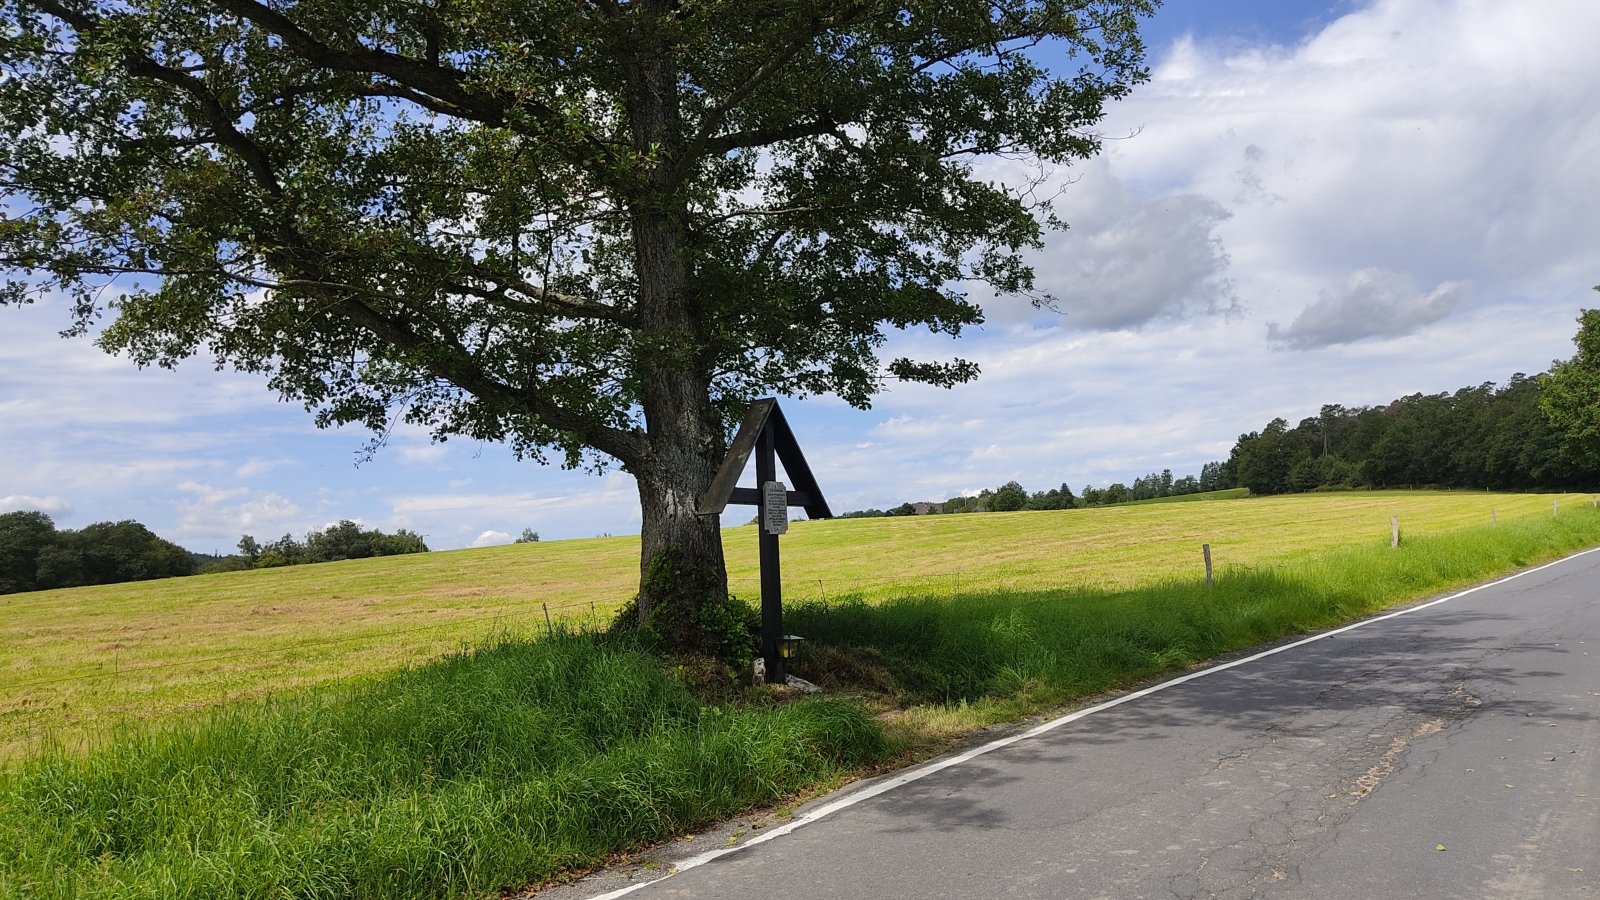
(774, 508)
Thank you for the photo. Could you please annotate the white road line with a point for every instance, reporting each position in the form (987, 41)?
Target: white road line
(919, 773)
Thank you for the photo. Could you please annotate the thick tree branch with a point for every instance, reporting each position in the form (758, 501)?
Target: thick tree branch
(464, 372)
(434, 86)
(145, 66)
(458, 365)
(760, 137)
(713, 118)
(546, 302)
(441, 81)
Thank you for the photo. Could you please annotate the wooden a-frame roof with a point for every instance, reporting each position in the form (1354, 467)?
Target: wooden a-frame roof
(764, 414)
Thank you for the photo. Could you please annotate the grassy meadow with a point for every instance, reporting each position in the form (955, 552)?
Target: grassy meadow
(517, 761)
(75, 661)
(1225, 494)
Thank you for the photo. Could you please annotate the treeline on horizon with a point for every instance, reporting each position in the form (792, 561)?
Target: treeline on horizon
(346, 540)
(1013, 497)
(1486, 437)
(37, 556)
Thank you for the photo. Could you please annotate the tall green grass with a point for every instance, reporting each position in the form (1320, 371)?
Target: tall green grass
(1032, 649)
(487, 771)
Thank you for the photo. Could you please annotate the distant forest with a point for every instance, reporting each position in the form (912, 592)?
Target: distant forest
(1012, 496)
(36, 556)
(346, 540)
(1478, 437)
(1487, 437)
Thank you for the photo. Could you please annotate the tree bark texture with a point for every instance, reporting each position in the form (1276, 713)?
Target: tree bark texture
(681, 563)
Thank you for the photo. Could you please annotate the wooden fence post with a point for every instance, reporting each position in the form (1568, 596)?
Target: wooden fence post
(1206, 550)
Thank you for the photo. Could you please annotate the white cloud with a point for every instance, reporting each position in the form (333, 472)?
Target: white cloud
(67, 466)
(55, 506)
(1445, 140)
(500, 504)
(491, 539)
(1372, 303)
(208, 495)
(572, 505)
(213, 512)
(1054, 406)
(423, 453)
(47, 381)
(1126, 262)
(256, 465)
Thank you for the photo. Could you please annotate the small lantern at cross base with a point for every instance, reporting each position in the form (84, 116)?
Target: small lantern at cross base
(789, 645)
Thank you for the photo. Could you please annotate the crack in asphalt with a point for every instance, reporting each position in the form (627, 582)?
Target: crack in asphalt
(1319, 786)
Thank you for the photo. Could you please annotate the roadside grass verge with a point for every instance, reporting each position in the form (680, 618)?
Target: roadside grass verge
(957, 663)
(522, 760)
(485, 771)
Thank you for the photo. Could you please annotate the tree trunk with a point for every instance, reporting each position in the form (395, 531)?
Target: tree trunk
(683, 585)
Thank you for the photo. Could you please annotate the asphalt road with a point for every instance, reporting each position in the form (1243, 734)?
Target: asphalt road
(1337, 768)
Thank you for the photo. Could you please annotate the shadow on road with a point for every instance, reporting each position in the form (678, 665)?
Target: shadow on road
(1410, 675)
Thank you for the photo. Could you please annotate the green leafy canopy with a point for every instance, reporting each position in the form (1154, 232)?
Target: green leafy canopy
(1571, 397)
(447, 213)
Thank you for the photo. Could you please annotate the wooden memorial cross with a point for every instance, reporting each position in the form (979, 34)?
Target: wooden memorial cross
(766, 433)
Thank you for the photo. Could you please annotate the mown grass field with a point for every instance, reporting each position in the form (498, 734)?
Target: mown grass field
(73, 662)
(1227, 494)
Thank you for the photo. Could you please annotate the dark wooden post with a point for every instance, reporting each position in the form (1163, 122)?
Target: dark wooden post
(766, 434)
(771, 577)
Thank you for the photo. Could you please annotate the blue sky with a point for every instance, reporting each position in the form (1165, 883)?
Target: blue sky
(1242, 23)
(1319, 202)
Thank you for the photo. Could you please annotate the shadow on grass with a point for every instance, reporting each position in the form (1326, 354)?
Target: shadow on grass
(478, 773)
(1043, 647)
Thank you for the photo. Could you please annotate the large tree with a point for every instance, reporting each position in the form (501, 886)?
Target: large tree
(592, 228)
(24, 534)
(1571, 395)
